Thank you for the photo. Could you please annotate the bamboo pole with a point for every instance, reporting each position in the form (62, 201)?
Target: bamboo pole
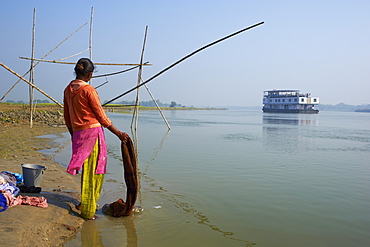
(119, 72)
(31, 89)
(42, 58)
(33, 85)
(136, 109)
(72, 55)
(90, 40)
(181, 60)
(55, 61)
(106, 81)
(159, 109)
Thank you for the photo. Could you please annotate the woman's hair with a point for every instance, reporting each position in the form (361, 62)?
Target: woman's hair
(84, 66)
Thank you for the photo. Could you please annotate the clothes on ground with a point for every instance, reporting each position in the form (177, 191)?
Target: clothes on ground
(9, 192)
(29, 189)
(11, 188)
(11, 200)
(14, 178)
(3, 203)
(31, 200)
(6, 177)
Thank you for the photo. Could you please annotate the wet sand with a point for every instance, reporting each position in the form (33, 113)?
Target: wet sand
(25, 225)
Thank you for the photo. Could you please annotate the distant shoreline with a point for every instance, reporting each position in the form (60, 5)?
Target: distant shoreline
(129, 108)
(362, 110)
(119, 107)
(124, 108)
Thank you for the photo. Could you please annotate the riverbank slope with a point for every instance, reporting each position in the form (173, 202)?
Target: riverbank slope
(25, 225)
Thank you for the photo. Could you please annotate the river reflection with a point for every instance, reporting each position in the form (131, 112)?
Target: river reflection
(117, 231)
(287, 133)
(90, 236)
(291, 119)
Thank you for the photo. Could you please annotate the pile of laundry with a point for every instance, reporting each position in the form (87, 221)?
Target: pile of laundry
(9, 192)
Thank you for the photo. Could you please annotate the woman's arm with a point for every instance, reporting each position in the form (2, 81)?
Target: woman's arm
(121, 135)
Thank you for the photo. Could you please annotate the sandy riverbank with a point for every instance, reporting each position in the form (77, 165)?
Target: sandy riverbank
(24, 225)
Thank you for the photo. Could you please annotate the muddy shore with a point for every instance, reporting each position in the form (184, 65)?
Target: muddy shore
(25, 225)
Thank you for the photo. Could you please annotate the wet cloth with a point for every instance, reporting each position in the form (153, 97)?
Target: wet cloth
(121, 208)
(83, 142)
(91, 184)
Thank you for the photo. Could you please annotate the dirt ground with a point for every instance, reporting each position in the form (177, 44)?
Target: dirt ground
(25, 225)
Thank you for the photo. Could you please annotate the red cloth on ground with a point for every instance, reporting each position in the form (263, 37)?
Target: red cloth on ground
(30, 200)
(24, 200)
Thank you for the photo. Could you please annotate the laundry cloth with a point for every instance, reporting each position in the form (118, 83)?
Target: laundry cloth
(3, 203)
(120, 207)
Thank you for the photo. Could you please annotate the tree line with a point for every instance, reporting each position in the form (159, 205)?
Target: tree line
(149, 103)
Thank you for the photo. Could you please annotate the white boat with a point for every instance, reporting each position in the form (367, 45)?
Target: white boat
(289, 101)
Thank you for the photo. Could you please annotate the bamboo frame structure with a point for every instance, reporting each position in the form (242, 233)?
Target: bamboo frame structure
(140, 82)
(135, 116)
(31, 84)
(56, 61)
(47, 54)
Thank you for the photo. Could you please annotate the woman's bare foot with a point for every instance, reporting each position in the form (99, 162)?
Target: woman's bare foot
(92, 218)
(78, 207)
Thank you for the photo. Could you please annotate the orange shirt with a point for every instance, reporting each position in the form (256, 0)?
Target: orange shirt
(82, 108)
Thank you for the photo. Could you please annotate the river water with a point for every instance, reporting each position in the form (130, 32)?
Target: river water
(240, 178)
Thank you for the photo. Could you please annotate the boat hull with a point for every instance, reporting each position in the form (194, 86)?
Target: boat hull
(290, 111)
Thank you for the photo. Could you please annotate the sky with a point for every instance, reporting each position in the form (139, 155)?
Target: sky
(315, 46)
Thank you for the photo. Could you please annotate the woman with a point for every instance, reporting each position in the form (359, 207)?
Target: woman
(85, 117)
